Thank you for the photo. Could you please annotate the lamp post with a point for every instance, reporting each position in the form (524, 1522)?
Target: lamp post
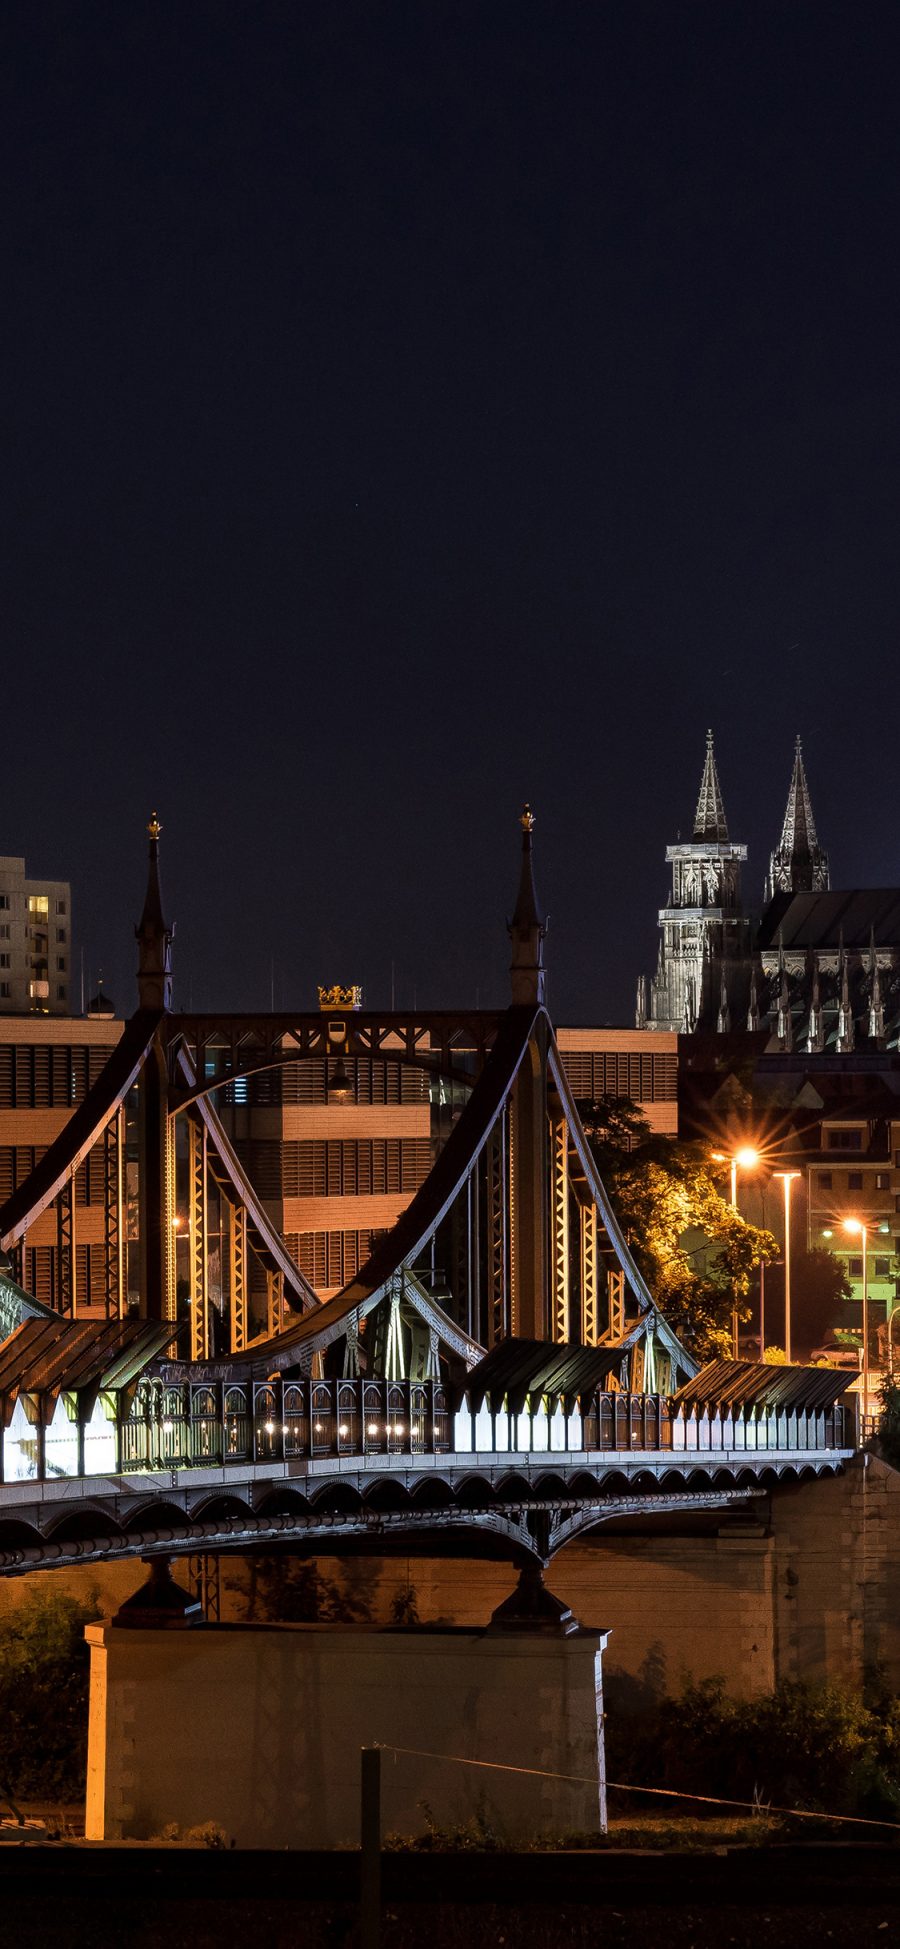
(787, 1178)
(744, 1159)
(861, 1231)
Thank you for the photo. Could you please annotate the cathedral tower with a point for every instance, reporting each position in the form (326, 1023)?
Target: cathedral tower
(705, 937)
(798, 864)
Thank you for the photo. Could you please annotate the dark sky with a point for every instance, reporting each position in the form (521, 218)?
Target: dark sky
(409, 409)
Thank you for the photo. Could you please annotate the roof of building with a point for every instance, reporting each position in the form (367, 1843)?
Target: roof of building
(515, 1369)
(818, 920)
(745, 1384)
(57, 1356)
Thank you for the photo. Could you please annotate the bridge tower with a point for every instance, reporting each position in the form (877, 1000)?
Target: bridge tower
(529, 1132)
(155, 1134)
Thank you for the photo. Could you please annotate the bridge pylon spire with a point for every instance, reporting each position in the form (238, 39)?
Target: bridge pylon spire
(527, 927)
(153, 935)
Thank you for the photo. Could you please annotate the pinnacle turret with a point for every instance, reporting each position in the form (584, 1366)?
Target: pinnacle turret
(527, 927)
(153, 935)
(710, 821)
(798, 864)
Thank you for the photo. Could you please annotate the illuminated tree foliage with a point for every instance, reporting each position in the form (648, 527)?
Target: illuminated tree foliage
(696, 1252)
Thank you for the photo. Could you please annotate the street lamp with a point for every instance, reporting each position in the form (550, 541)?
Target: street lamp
(861, 1231)
(788, 1178)
(745, 1159)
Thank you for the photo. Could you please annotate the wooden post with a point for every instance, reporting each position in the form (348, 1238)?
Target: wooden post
(370, 1849)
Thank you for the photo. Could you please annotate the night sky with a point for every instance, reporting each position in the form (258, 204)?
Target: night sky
(410, 409)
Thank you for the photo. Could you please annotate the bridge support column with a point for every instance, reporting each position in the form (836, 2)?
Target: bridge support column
(274, 1301)
(237, 1285)
(529, 1201)
(497, 1234)
(616, 1289)
(199, 1243)
(66, 1248)
(156, 1176)
(560, 1143)
(590, 1325)
(114, 1236)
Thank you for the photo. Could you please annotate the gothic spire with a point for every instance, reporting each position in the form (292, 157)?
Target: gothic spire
(709, 820)
(753, 1008)
(798, 864)
(640, 1013)
(527, 927)
(153, 935)
(723, 1023)
(815, 1035)
(785, 1026)
(876, 1005)
(845, 1038)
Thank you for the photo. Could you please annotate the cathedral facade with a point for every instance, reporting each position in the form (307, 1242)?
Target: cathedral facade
(818, 971)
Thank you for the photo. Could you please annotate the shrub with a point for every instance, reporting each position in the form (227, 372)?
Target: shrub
(813, 1747)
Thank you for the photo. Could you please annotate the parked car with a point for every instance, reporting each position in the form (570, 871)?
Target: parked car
(834, 1355)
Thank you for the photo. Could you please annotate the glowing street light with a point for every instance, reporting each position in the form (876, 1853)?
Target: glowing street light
(745, 1159)
(788, 1179)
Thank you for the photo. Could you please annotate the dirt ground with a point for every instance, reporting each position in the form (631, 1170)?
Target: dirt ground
(96, 1897)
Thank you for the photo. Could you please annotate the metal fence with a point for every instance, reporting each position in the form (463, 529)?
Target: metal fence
(279, 1421)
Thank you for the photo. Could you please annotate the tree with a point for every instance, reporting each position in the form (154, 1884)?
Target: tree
(44, 1671)
(889, 1423)
(696, 1252)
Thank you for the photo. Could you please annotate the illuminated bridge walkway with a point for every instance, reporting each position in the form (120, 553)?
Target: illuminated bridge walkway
(106, 1454)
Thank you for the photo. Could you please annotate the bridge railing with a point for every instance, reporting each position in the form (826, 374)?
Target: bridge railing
(281, 1421)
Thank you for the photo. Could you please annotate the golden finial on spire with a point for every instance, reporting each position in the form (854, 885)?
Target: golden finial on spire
(527, 820)
(154, 828)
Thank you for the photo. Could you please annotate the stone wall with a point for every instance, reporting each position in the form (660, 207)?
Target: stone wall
(259, 1729)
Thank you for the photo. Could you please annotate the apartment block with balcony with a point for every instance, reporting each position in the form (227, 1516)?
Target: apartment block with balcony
(35, 943)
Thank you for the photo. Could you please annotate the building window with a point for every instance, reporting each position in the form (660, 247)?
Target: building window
(854, 1267)
(4, 902)
(854, 1180)
(4, 961)
(882, 1181)
(60, 963)
(824, 1180)
(4, 930)
(60, 934)
(5, 990)
(60, 906)
(61, 991)
(845, 1139)
(39, 905)
(882, 1268)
